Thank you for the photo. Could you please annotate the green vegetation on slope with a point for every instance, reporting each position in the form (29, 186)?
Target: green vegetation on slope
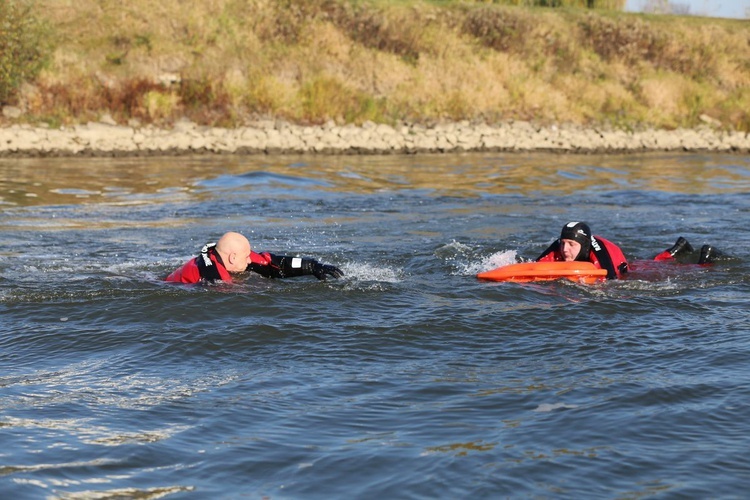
(227, 62)
(23, 46)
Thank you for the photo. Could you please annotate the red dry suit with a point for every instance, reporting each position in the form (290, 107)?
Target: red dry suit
(206, 266)
(604, 255)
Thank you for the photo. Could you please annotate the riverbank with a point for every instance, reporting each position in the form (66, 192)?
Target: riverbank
(106, 138)
(226, 63)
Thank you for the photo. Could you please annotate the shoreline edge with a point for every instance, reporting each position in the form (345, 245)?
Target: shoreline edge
(106, 138)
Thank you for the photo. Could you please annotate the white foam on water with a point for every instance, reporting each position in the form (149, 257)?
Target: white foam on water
(83, 381)
(363, 271)
(493, 261)
(454, 247)
(469, 260)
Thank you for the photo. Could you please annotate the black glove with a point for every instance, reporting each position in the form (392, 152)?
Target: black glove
(321, 271)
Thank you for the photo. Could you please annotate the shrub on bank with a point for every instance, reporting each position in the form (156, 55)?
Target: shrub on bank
(23, 46)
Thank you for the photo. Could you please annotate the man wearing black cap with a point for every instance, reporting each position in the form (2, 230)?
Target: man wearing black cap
(577, 243)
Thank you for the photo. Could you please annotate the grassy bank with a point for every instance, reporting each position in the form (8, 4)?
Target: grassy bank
(227, 62)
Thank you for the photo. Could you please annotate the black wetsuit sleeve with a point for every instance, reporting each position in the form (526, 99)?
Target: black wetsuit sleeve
(283, 266)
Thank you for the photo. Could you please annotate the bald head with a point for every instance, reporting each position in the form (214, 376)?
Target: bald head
(234, 250)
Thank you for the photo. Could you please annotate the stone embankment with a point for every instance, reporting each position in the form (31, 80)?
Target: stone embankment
(106, 138)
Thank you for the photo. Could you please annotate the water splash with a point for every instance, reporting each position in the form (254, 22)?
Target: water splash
(360, 271)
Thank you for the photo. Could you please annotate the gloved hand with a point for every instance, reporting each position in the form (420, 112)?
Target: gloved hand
(321, 271)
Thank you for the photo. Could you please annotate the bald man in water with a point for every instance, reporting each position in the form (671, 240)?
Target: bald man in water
(232, 254)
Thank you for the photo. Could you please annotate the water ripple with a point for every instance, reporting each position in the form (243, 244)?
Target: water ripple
(408, 377)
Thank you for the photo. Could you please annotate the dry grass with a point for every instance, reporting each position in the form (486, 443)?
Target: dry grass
(228, 62)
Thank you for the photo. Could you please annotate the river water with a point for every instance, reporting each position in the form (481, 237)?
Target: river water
(408, 378)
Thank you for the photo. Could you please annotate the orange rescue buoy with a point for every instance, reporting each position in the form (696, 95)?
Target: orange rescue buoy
(580, 272)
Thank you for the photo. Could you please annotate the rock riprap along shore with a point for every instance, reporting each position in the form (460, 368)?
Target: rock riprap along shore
(107, 138)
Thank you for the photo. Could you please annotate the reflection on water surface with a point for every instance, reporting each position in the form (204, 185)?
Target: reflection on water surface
(52, 181)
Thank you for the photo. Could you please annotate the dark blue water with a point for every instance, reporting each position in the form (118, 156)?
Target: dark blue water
(408, 378)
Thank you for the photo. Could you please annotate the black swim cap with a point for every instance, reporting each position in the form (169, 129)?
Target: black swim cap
(580, 233)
